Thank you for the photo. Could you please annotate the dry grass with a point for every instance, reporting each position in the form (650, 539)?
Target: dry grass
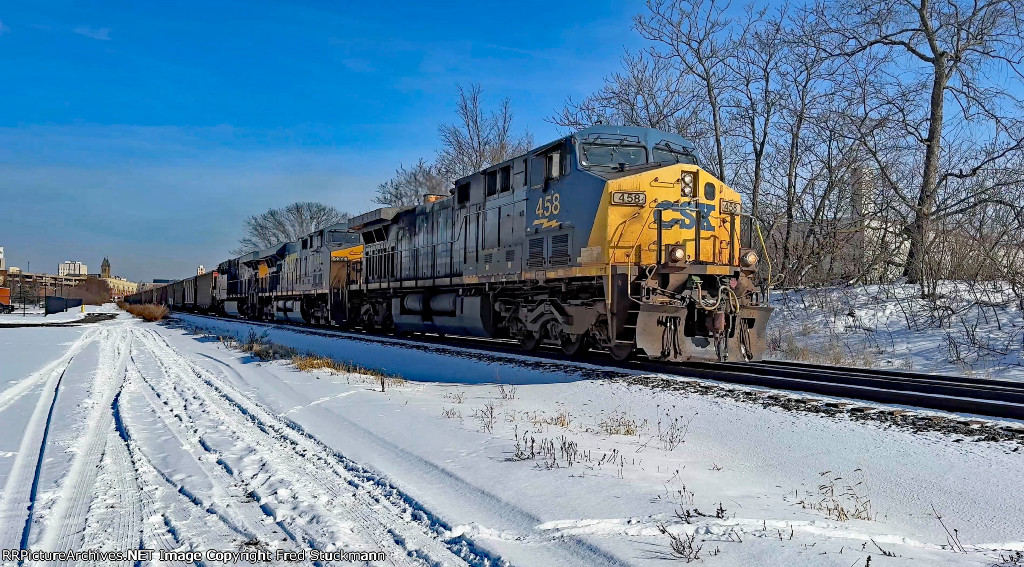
(148, 312)
(620, 423)
(306, 362)
(259, 346)
(562, 419)
(832, 352)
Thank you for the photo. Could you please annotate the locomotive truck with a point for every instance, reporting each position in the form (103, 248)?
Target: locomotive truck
(612, 238)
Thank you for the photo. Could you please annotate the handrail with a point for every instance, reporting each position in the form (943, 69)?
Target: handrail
(767, 258)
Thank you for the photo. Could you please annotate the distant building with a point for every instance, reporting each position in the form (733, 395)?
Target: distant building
(14, 270)
(3, 263)
(105, 268)
(200, 271)
(120, 287)
(69, 268)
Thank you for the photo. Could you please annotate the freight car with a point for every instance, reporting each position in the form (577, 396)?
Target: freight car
(5, 300)
(610, 238)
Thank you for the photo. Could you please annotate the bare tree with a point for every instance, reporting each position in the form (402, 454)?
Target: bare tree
(696, 35)
(478, 139)
(286, 224)
(758, 92)
(953, 51)
(408, 186)
(649, 92)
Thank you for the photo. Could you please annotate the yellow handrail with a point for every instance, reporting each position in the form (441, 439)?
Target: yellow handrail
(767, 258)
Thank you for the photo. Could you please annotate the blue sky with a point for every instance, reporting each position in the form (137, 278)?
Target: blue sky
(146, 131)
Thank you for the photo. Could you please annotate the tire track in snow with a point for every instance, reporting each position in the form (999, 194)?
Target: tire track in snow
(165, 511)
(15, 391)
(241, 516)
(66, 524)
(17, 503)
(378, 508)
(114, 517)
(263, 474)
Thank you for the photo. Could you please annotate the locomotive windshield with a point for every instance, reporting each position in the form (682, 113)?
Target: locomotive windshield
(669, 154)
(612, 155)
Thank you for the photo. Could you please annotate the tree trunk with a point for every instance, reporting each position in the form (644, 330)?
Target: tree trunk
(914, 268)
(717, 122)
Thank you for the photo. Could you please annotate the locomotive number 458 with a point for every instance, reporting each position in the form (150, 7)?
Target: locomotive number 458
(629, 198)
(548, 205)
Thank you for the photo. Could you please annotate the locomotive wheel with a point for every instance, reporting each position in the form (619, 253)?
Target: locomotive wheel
(621, 352)
(529, 341)
(575, 347)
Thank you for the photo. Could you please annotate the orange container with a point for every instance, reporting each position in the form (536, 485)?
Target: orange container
(5, 296)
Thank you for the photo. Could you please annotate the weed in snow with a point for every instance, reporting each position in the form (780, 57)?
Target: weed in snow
(562, 419)
(839, 501)
(507, 392)
(451, 413)
(620, 423)
(486, 416)
(455, 397)
(682, 546)
(672, 433)
(563, 452)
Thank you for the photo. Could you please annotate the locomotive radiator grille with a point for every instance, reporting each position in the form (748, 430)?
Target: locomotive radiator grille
(535, 257)
(560, 250)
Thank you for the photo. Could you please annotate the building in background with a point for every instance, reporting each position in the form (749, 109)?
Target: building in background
(69, 268)
(120, 287)
(3, 263)
(200, 271)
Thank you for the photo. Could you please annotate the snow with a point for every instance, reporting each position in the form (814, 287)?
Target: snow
(131, 433)
(967, 328)
(37, 316)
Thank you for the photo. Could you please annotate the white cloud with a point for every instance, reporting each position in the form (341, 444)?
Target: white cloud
(94, 33)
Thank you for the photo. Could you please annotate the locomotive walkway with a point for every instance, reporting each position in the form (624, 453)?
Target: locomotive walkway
(982, 397)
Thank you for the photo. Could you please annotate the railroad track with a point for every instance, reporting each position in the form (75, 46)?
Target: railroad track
(983, 397)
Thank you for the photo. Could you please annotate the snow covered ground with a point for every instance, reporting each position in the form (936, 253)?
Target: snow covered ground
(36, 315)
(124, 434)
(965, 328)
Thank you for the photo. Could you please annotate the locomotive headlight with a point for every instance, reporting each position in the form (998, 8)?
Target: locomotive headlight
(677, 254)
(686, 184)
(749, 259)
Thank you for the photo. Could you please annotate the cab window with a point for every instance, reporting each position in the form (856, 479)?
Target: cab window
(666, 155)
(612, 155)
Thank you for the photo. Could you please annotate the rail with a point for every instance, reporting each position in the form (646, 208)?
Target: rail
(983, 397)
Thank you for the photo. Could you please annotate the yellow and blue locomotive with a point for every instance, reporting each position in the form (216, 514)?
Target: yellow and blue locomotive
(612, 238)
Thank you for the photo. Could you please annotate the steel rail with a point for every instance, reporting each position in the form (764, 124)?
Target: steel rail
(982, 397)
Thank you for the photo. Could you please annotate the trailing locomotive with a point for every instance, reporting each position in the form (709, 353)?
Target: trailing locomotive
(611, 238)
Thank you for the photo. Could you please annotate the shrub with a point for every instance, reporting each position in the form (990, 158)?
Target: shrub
(148, 312)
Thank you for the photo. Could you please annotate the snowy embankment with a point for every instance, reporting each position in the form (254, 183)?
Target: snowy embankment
(963, 328)
(137, 432)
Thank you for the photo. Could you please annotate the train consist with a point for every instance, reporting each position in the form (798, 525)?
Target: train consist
(612, 238)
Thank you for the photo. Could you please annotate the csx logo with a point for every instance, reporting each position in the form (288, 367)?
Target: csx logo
(687, 215)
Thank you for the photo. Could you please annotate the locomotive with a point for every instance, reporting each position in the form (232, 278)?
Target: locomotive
(612, 238)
